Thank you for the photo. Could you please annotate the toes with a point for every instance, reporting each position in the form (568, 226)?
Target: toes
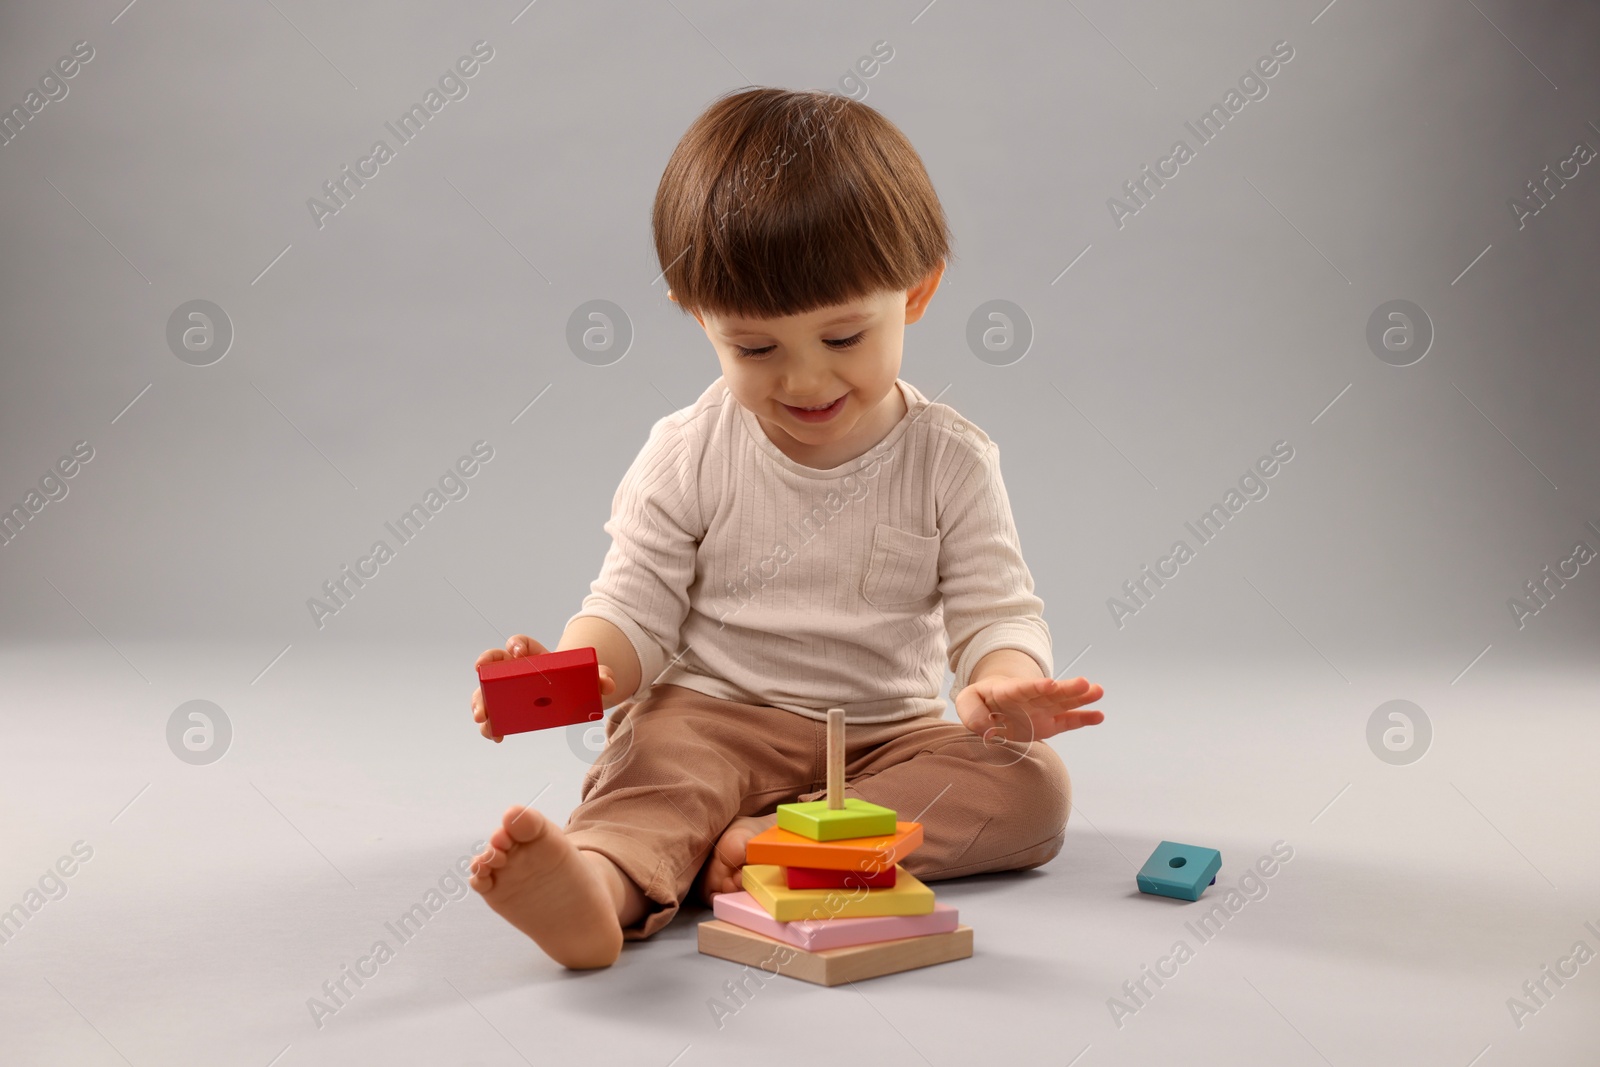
(483, 868)
(518, 826)
(525, 825)
(712, 886)
(724, 878)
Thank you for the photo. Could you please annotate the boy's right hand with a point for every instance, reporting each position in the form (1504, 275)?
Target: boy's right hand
(518, 645)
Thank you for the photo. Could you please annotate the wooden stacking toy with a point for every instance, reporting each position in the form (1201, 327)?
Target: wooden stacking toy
(825, 899)
(539, 692)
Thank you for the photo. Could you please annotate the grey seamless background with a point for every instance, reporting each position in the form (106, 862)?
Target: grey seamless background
(433, 311)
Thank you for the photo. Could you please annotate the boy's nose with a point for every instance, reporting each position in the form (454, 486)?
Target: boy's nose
(807, 385)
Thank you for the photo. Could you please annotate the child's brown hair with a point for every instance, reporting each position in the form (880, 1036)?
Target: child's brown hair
(779, 202)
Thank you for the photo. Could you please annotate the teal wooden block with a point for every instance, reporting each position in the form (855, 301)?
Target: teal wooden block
(1181, 871)
(858, 818)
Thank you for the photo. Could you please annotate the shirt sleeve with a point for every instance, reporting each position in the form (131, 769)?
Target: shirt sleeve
(655, 528)
(987, 589)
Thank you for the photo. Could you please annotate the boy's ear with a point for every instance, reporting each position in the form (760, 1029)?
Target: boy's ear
(918, 296)
(673, 297)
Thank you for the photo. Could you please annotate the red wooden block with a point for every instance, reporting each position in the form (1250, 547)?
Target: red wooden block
(539, 692)
(823, 878)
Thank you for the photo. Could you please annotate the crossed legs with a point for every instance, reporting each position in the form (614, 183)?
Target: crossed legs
(686, 779)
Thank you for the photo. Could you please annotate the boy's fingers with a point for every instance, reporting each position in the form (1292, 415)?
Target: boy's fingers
(1077, 687)
(1071, 720)
(492, 655)
(1078, 696)
(1079, 684)
(523, 645)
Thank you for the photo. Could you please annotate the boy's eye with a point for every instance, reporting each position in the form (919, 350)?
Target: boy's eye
(840, 343)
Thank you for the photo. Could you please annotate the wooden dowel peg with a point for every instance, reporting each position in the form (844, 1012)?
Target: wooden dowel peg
(835, 758)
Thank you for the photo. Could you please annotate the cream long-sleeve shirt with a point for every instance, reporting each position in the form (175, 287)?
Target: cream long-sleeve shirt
(739, 573)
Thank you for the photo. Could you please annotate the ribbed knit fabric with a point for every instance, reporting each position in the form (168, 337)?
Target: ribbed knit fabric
(739, 573)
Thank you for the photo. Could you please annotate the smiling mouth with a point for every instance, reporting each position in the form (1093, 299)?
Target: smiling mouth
(820, 413)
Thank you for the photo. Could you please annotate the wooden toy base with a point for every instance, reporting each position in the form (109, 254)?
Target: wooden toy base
(833, 966)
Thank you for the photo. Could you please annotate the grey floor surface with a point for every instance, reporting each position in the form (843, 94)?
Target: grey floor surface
(217, 899)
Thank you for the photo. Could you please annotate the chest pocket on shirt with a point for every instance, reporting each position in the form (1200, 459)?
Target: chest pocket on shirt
(903, 567)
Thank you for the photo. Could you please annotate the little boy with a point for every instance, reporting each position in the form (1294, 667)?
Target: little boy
(811, 533)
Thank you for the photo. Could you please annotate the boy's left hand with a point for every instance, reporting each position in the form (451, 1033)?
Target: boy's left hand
(1027, 709)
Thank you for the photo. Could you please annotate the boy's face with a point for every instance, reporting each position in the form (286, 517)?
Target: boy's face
(847, 356)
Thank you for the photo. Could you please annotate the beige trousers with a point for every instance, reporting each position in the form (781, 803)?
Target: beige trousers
(679, 766)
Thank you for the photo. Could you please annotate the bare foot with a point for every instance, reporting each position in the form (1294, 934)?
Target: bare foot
(723, 869)
(539, 882)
